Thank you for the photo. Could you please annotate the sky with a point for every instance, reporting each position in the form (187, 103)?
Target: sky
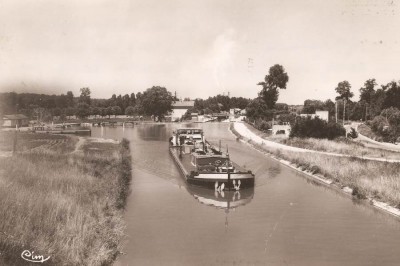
(197, 48)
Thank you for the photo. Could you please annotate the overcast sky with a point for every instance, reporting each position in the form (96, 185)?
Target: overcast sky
(197, 48)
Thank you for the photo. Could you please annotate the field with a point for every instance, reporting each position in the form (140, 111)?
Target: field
(373, 179)
(62, 202)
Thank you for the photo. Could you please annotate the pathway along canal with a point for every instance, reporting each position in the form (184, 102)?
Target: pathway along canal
(285, 220)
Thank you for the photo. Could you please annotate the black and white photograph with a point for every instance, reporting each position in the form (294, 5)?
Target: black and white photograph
(199, 132)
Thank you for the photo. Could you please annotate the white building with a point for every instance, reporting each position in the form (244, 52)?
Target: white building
(180, 108)
(323, 115)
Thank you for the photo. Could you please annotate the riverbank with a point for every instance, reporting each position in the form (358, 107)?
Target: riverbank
(338, 147)
(364, 179)
(63, 197)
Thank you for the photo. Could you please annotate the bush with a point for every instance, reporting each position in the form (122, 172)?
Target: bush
(316, 128)
(379, 125)
(353, 133)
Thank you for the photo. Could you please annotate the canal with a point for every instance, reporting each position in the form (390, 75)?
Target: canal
(285, 220)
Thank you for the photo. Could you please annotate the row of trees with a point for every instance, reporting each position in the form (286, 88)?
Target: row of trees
(155, 101)
(379, 105)
(219, 103)
(373, 100)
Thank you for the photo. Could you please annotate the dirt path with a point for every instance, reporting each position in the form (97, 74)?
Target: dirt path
(79, 144)
(376, 144)
(242, 129)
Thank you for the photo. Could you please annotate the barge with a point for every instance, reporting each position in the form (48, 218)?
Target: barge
(202, 164)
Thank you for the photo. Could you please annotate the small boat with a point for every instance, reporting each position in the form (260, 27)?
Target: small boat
(204, 165)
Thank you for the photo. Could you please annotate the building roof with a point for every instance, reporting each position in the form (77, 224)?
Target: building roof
(14, 117)
(183, 104)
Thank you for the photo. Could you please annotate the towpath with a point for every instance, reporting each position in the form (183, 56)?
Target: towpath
(242, 129)
(375, 144)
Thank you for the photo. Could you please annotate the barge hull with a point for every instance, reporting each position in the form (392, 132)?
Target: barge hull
(235, 181)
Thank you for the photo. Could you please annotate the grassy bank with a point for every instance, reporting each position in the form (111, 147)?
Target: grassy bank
(367, 131)
(340, 145)
(378, 180)
(63, 204)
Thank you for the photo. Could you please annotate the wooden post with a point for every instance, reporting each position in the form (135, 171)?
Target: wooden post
(15, 143)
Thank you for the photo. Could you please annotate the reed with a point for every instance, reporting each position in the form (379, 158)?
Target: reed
(65, 205)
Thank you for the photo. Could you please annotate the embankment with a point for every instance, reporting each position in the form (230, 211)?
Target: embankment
(377, 181)
(64, 204)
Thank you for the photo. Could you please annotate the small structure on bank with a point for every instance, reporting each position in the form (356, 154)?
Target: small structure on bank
(281, 129)
(323, 115)
(13, 120)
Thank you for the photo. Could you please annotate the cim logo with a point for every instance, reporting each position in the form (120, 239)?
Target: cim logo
(29, 256)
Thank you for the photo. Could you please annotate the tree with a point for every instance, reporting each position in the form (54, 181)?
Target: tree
(85, 96)
(392, 98)
(102, 111)
(156, 101)
(256, 108)
(70, 99)
(82, 110)
(130, 110)
(276, 79)
(96, 111)
(367, 93)
(116, 110)
(61, 101)
(132, 99)
(188, 114)
(310, 106)
(316, 128)
(56, 111)
(125, 101)
(343, 89)
(109, 111)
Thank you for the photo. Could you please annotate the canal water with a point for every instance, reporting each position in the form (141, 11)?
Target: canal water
(285, 220)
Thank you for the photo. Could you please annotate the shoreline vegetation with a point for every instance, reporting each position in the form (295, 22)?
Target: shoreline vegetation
(341, 145)
(364, 179)
(63, 197)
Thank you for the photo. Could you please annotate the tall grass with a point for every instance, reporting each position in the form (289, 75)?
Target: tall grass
(379, 180)
(340, 145)
(67, 206)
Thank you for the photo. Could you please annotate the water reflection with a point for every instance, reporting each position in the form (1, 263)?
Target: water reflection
(153, 132)
(221, 199)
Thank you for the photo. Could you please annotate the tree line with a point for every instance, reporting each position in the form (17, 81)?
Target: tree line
(155, 101)
(378, 105)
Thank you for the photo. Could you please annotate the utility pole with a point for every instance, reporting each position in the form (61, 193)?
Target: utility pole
(336, 114)
(344, 110)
